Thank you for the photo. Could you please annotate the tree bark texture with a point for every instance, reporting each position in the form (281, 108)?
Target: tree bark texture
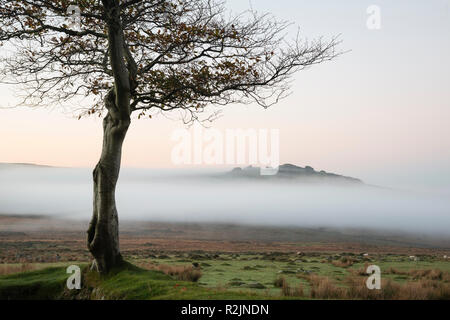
(103, 232)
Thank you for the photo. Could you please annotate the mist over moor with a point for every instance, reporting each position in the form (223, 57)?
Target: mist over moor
(209, 196)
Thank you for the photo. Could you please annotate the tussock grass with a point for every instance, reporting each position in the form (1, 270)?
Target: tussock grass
(279, 282)
(183, 273)
(355, 288)
(344, 262)
(287, 290)
(324, 288)
(15, 268)
(430, 274)
(424, 289)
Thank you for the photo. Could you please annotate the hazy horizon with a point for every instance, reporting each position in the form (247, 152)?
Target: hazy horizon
(200, 196)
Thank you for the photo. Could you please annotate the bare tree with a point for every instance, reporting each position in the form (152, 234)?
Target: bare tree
(141, 55)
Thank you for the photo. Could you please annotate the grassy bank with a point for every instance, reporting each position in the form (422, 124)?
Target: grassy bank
(128, 282)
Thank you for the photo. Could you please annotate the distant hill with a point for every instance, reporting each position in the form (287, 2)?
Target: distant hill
(26, 165)
(285, 172)
(292, 172)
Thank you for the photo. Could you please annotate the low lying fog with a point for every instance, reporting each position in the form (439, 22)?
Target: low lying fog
(185, 196)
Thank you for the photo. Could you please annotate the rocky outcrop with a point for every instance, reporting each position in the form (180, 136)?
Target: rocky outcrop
(292, 172)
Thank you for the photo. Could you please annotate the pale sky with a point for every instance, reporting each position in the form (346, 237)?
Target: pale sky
(380, 112)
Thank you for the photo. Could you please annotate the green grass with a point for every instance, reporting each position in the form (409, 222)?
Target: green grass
(236, 274)
(224, 277)
(42, 284)
(128, 282)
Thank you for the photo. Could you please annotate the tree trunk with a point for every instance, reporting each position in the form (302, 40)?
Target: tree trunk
(103, 232)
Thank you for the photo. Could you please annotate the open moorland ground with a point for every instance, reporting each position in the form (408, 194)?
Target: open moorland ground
(213, 261)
